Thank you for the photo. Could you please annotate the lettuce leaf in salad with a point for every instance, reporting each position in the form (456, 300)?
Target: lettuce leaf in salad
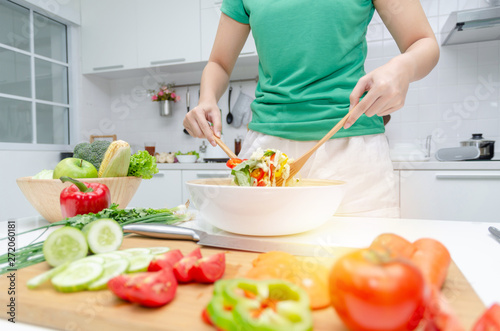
(242, 171)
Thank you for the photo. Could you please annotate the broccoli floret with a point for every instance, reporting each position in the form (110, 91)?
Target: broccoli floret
(92, 152)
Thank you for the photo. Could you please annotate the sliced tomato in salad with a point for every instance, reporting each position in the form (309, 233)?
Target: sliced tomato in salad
(233, 162)
(257, 173)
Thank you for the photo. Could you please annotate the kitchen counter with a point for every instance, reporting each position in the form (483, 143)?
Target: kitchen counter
(405, 165)
(192, 166)
(456, 165)
(471, 246)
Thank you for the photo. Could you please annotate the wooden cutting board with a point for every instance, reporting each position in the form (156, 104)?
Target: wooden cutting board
(101, 310)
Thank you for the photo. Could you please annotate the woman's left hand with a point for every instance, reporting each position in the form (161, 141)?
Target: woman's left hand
(386, 89)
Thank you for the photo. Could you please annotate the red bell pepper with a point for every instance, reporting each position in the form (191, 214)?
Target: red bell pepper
(83, 198)
(231, 163)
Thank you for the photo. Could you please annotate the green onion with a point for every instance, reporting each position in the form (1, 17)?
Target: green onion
(33, 253)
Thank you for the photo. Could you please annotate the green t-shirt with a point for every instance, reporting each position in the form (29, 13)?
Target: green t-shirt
(311, 55)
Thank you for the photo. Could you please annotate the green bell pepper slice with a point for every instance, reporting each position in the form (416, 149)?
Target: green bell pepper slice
(261, 305)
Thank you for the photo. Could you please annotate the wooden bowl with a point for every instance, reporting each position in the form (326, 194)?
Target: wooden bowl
(43, 194)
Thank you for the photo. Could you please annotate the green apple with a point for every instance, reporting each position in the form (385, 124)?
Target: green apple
(74, 168)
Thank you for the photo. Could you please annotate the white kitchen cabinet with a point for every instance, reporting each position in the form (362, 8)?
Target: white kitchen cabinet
(164, 190)
(109, 35)
(210, 16)
(450, 195)
(188, 175)
(168, 32)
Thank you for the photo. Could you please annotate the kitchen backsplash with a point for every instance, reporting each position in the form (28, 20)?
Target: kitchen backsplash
(459, 97)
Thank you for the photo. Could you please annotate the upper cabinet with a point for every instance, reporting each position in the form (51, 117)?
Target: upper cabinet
(210, 16)
(109, 34)
(168, 32)
(118, 35)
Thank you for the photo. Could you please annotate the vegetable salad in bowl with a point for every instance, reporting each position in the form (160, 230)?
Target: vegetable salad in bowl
(261, 169)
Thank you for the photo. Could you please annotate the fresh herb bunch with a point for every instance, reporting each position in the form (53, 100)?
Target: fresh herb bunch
(143, 165)
(33, 253)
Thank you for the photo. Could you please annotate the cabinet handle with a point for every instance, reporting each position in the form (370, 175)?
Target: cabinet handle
(467, 176)
(118, 66)
(217, 2)
(246, 53)
(160, 174)
(168, 61)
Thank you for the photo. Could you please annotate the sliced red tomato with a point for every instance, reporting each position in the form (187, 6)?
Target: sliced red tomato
(149, 289)
(261, 183)
(258, 174)
(233, 162)
(165, 260)
(184, 269)
(209, 269)
(490, 320)
(195, 252)
(373, 293)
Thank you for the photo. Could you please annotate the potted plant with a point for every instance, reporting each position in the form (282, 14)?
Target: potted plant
(166, 96)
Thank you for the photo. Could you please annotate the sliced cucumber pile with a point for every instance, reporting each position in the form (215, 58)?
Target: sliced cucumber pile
(77, 276)
(111, 269)
(103, 235)
(65, 245)
(93, 272)
(42, 278)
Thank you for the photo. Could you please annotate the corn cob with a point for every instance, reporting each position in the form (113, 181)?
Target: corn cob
(116, 160)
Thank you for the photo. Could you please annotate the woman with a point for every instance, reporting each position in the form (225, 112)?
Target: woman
(311, 73)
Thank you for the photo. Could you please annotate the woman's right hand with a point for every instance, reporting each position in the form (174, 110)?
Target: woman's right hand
(197, 121)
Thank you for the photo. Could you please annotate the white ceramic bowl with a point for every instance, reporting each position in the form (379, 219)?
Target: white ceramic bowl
(186, 158)
(266, 211)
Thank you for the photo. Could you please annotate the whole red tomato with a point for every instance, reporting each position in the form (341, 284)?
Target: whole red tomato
(372, 292)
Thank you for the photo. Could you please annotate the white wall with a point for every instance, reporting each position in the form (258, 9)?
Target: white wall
(444, 104)
(122, 107)
(15, 164)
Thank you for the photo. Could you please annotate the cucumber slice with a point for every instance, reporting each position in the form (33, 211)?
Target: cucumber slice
(111, 269)
(92, 258)
(42, 278)
(103, 235)
(158, 250)
(77, 276)
(137, 251)
(63, 245)
(139, 263)
(108, 257)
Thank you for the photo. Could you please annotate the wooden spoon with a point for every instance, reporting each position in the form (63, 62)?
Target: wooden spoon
(296, 165)
(224, 147)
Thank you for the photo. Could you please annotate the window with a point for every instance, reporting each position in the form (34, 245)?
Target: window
(34, 84)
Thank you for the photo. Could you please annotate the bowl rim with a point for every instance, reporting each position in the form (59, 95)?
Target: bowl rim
(327, 182)
(30, 178)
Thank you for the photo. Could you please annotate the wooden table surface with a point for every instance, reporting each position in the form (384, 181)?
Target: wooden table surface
(101, 310)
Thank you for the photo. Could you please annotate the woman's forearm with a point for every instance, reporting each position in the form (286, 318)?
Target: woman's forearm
(214, 81)
(420, 58)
